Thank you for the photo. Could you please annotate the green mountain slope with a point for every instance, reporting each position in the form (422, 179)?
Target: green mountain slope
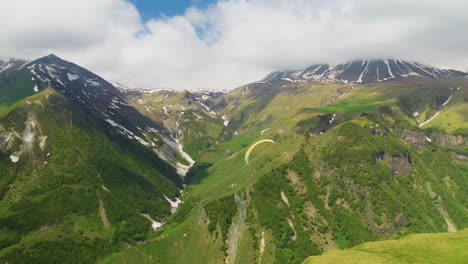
(71, 188)
(350, 163)
(418, 248)
(74, 188)
(14, 86)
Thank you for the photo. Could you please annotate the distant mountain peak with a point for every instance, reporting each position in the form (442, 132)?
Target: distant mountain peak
(51, 56)
(107, 103)
(364, 71)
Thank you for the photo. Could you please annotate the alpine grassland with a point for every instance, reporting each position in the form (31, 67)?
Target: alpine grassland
(416, 248)
(349, 165)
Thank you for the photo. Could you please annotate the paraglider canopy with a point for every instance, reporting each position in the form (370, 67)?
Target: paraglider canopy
(249, 150)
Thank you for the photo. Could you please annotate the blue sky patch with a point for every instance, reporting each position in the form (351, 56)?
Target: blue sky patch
(156, 8)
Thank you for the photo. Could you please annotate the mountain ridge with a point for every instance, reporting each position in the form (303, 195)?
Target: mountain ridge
(359, 71)
(109, 104)
(364, 71)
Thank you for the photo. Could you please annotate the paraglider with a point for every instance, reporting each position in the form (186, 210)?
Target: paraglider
(249, 150)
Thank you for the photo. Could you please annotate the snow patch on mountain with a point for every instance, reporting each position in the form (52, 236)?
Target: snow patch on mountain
(92, 82)
(72, 77)
(208, 109)
(333, 118)
(174, 204)
(24, 64)
(6, 67)
(14, 158)
(168, 152)
(183, 169)
(126, 132)
(430, 119)
(448, 100)
(225, 120)
(154, 224)
(263, 131)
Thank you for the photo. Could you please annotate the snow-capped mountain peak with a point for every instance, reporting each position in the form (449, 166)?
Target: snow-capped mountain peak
(108, 104)
(364, 71)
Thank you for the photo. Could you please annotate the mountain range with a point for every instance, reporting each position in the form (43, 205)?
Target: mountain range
(92, 171)
(366, 71)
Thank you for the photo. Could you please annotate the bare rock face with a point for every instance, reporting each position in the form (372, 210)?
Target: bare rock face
(460, 156)
(414, 138)
(6, 139)
(449, 140)
(401, 165)
(203, 219)
(420, 140)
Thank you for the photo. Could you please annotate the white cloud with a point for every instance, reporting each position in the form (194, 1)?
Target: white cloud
(234, 41)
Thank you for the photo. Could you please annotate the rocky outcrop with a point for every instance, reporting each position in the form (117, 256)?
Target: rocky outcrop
(400, 164)
(203, 219)
(449, 139)
(414, 138)
(420, 139)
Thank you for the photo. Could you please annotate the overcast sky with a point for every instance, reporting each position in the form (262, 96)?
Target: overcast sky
(227, 43)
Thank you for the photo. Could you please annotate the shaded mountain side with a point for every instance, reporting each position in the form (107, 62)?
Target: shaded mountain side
(65, 184)
(15, 87)
(187, 115)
